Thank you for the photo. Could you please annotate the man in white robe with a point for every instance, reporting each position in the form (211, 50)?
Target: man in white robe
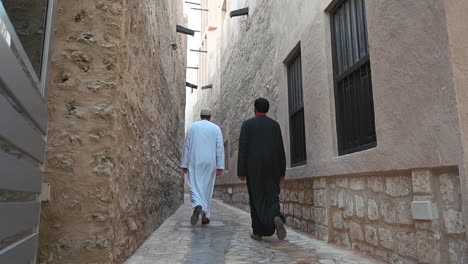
(203, 158)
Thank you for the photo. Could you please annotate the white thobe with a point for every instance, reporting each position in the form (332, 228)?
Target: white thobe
(203, 154)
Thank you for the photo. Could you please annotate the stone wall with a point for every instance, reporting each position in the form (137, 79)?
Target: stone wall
(116, 103)
(372, 213)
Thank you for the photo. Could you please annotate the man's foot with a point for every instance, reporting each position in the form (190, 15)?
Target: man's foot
(280, 229)
(256, 237)
(195, 215)
(205, 219)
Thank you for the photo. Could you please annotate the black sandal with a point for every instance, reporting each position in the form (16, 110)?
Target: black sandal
(205, 221)
(195, 215)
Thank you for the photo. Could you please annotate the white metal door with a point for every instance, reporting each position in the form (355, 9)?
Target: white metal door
(24, 57)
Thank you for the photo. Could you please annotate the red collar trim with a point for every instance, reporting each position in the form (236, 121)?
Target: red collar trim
(261, 114)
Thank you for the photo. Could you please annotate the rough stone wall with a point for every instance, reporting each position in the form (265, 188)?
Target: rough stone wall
(232, 96)
(116, 102)
(372, 214)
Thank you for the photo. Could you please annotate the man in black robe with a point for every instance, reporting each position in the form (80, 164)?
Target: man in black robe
(262, 163)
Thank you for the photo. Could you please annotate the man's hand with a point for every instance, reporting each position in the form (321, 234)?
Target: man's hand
(185, 170)
(219, 172)
(242, 178)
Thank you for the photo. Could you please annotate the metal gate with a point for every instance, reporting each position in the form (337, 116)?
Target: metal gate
(25, 33)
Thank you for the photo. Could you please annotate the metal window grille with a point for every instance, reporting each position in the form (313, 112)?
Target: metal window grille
(296, 112)
(352, 75)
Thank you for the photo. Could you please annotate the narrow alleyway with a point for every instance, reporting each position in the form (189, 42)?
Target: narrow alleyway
(226, 240)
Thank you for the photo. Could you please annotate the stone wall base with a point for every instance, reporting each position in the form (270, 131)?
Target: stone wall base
(373, 213)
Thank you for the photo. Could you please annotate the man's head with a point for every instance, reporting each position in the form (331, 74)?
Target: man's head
(262, 105)
(205, 114)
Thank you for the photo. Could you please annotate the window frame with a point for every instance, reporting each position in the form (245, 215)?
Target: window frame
(341, 76)
(295, 54)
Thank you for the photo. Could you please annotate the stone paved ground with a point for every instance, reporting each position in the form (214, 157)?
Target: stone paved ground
(226, 240)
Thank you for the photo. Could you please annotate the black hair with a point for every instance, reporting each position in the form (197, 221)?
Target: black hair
(262, 105)
(205, 117)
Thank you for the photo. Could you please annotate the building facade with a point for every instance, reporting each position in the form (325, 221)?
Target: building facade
(371, 98)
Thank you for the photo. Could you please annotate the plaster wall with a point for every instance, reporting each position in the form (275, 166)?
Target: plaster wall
(414, 97)
(417, 54)
(457, 25)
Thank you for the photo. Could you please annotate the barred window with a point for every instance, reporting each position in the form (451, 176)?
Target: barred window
(352, 78)
(296, 111)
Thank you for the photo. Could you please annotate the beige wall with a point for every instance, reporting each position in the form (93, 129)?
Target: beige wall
(116, 103)
(457, 22)
(414, 97)
(418, 77)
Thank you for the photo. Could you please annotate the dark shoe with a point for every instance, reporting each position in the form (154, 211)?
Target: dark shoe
(256, 237)
(280, 229)
(205, 221)
(195, 215)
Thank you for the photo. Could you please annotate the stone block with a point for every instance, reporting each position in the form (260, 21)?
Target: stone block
(372, 210)
(382, 255)
(342, 183)
(310, 228)
(309, 197)
(349, 206)
(386, 237)
(319, 198)
(334, 199)
(103, 110)
(360, 207)
(406, 244)
(356, 184)
(421, 181)
(363, 248)
(286, 209)
(100, 217)
(322, 233)
(398, 186)
(319, 183)
(457, 252)
(297, 211)
(304, 226)
(428, 248)
(320, 215)
(296, 223)
(376, 184)
(449, 188)
(301, 197)
(103, 243)
(355, 231)
(306, 212)
(404, 212)
(341, 199)
(453, 221)
(345, 240)
(337, 220)
(371, 236)
(388, 211)
(287, 198)
(293, 196)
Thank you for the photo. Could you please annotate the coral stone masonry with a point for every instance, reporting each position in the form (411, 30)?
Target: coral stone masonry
(372, 214)
(116, 103)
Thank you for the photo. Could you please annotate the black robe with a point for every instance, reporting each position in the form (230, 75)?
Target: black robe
(262, 160)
